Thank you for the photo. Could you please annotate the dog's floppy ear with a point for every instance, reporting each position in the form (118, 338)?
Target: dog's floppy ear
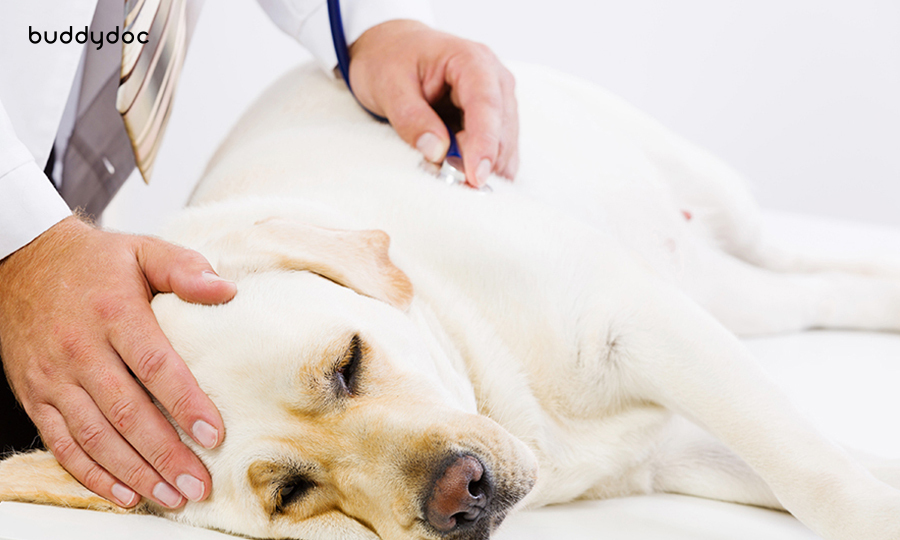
(355, 259)
(36, 477)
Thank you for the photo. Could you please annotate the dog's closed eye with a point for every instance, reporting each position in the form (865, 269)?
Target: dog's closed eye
(292, 490)
(281, 484)
(347, 372)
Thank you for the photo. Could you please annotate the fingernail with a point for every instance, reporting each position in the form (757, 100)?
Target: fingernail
(431, 147)
(164, 493)
(205, 434)
(482, 172)
(123, 495)
(210, 277)
(190, 487)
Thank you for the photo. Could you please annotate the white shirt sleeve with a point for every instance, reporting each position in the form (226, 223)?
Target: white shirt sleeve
(307, 21)
(29, 204)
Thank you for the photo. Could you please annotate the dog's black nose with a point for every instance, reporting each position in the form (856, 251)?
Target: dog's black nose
(460, 495)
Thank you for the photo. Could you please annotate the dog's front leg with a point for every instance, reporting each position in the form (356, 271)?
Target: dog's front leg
(684, 359)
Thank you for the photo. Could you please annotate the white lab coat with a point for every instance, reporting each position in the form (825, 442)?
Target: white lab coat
(35, 81)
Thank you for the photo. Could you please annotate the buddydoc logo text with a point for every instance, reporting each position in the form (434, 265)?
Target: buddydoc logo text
(82, 36)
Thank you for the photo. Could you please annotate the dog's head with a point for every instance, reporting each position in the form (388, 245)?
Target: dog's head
(345, 416)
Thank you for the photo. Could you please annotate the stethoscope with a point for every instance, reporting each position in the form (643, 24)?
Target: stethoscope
(452, 171)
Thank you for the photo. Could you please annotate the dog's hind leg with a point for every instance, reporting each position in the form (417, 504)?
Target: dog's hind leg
(751, 301)
(680, 357)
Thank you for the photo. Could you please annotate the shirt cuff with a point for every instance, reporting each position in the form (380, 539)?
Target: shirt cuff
(29, 205)
(358, 16)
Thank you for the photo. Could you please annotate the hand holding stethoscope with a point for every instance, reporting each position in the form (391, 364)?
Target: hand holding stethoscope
(479, 85)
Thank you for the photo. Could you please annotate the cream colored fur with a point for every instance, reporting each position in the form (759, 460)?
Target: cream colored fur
(573, 326)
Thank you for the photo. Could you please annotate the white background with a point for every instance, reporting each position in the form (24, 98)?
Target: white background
(801, 96)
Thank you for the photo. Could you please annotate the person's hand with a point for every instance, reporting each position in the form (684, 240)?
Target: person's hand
(398, 69)
(74, 318)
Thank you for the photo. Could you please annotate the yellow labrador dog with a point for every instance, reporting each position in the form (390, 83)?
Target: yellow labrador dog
(571, 335)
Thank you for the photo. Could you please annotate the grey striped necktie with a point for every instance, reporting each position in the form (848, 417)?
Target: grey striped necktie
(125, 99)
(150, 73)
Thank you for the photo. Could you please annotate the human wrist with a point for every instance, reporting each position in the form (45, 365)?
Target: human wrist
(384, 31)
(61, 234)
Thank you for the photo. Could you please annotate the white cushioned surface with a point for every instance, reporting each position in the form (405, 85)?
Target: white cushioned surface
(846, 382)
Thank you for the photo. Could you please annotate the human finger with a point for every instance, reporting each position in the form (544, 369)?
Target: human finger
(142, 345)
(415, 120)
(130, 411)
(100, 441)
(476, 91)
(76, 430)
(185, 272)
(57, 439)
(508, 161)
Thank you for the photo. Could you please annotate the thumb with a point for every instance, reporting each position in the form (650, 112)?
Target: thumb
(416, 122)
(185, 272)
